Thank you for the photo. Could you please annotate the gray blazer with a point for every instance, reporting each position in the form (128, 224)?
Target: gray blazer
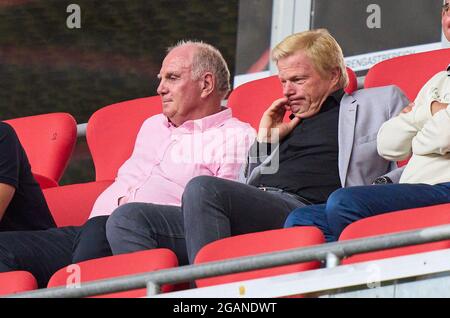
(360, 116)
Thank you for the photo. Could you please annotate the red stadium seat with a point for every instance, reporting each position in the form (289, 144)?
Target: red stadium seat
(409, 72)
(112, 130)
(45, 182)
(17, 281)
(352, 81)
(259, 243)
(111, 134)
(48, 141)
(115, 266)
(397, 222)
(71, 205)
(250, 100)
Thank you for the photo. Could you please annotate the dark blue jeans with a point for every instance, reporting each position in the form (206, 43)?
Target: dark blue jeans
(347, 205)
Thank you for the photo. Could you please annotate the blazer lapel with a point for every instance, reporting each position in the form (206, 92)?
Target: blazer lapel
(346, 134)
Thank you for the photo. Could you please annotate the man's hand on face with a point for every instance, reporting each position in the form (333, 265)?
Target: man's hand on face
(436, 107)
(272, 122)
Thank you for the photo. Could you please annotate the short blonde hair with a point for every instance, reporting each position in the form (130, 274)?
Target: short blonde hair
(323, 50)
(208, 59)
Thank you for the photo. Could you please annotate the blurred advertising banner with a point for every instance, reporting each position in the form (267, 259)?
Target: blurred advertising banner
(369, 31)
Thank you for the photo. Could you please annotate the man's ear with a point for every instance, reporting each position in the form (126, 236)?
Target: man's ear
(335, 75)
(208, 84)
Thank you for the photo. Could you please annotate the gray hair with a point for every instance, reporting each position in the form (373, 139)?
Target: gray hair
(208, 59)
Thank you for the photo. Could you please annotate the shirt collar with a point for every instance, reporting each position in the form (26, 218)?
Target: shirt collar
(205, 123)
(333, 100)
(337, 95)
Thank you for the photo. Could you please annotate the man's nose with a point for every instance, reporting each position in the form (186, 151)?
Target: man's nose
(288, 89)
(161, 88)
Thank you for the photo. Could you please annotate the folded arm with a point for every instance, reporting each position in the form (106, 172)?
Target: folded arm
(395, 137)
(434, 137)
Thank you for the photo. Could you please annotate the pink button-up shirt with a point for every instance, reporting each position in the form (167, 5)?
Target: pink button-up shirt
(166, 157)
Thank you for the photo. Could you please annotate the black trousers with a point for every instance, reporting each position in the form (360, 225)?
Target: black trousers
(44, 252)
(212, 209)
(215, 208)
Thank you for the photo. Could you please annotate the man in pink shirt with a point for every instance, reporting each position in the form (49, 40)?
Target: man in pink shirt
(193, 136)
(187, 139)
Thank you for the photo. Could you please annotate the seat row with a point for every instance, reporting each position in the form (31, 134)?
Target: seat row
(239, 246)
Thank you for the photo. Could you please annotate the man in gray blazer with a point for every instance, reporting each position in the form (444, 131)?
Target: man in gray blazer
(329, 143)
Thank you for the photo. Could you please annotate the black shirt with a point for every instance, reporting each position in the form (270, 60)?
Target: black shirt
(27, 209)
(309, 156)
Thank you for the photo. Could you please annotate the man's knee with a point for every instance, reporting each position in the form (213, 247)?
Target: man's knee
(122, 219)
(96, 221)
(132, 217)
(91, 241)
(341, 198)
(95, 224)
(340, 206)
(198, 192)
(199, 186)
(292, 219)
(312, 215)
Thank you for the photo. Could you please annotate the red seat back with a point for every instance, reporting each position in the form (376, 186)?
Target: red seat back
(409, 72)
(44, 182)
(397, 222)
(48, 141)
(111, 135)
(112, 130)
(71, 205)
(17, 281)
(250, 100)
(352, 81)
(115, 266)
(259, 243)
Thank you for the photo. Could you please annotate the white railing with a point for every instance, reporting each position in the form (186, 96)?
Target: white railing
(331, 251)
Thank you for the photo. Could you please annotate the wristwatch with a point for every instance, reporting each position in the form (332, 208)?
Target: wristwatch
(382, 180)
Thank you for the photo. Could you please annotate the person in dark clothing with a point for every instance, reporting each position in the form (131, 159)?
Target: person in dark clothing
(29, 237)
(421, 132)
(22, 203)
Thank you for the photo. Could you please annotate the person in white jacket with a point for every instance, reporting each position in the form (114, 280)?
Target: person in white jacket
(422, 132)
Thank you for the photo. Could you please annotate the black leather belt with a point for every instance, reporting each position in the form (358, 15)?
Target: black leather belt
(295, 196)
